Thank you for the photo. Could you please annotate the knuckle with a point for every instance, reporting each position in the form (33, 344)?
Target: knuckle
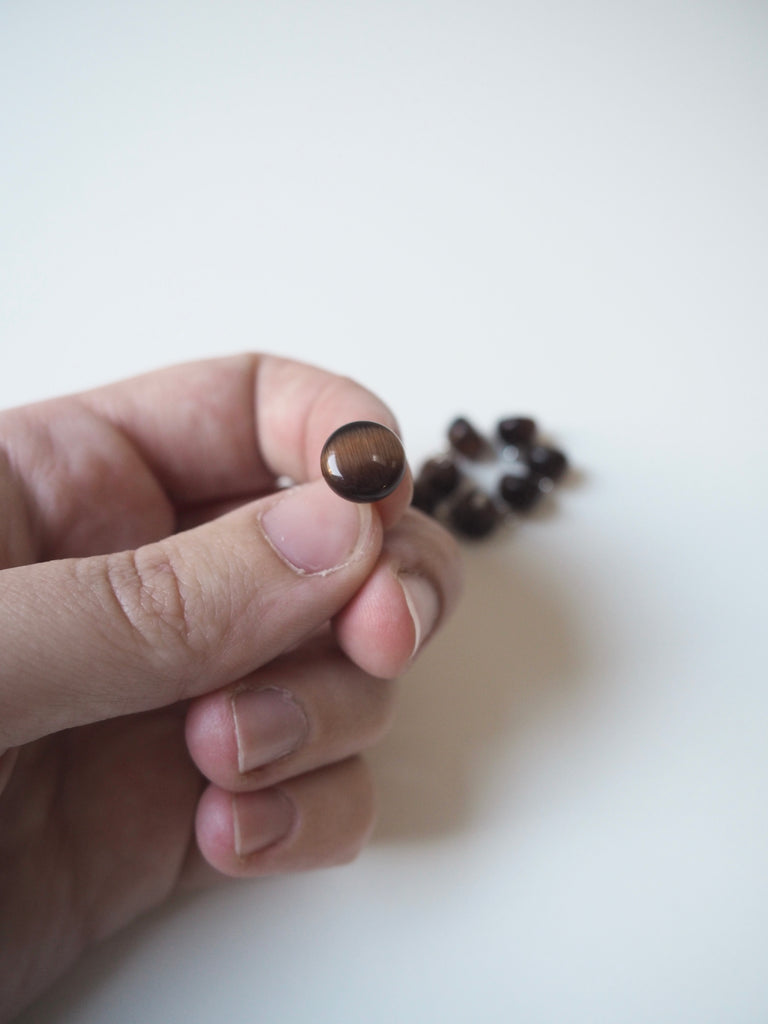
(156, 597)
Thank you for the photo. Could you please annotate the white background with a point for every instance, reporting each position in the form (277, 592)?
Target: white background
(550, 207)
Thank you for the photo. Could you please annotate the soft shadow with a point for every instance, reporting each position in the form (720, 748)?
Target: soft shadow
(513, 652)
(80, 990)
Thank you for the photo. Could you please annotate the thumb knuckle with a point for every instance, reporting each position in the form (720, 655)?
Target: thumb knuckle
(159, 596)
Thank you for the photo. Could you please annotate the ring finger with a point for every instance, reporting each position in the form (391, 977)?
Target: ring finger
(316, 820)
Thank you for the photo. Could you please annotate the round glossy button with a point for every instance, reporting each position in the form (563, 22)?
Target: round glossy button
(363, 461)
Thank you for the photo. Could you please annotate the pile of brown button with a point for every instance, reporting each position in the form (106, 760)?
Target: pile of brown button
(480, 481)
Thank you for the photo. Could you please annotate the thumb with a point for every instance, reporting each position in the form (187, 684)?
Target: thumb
(86, 639)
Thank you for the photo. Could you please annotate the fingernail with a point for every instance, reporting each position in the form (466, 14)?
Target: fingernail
(260, 820)
(269, 724)
(423, 604)
(313, 530)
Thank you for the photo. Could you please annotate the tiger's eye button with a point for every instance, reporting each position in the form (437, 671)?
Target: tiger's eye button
(545, 461)
(437, 478)
(466, 440)
(363, 461)
(441, 475)
(516, 430)
(425, 498)
(520, 492)
(474, 514)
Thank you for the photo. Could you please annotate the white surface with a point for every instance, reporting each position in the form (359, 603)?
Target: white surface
(484, 207)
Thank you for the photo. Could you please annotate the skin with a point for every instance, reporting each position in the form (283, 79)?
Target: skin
(141, 591)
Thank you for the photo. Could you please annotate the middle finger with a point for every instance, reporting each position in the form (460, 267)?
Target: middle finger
(309, 708)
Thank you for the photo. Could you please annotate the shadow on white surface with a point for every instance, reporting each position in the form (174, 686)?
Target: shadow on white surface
(514, 653)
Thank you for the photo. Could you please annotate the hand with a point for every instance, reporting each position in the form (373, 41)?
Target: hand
(191, 660)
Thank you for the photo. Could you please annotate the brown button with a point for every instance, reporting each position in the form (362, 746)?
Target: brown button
(474, 514)
(520, 492)
(441, 474)
(546, 461)
(363, 461)
(466, 440)
(516, 430)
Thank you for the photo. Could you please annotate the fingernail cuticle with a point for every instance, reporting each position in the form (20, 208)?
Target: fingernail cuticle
(260, 820)
(423, 604)
(269, 725)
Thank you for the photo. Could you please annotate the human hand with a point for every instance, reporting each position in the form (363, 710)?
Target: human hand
(191, 662)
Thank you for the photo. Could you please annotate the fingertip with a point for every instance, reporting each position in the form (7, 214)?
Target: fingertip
(210, 734)
(319, 819)
(299, 406)
(423, 604)
(214, 829)
(315, 532)
(413, 588)
(241, 834)
(377, 629)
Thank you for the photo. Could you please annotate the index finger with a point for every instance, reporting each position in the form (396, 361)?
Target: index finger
(222, 429)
